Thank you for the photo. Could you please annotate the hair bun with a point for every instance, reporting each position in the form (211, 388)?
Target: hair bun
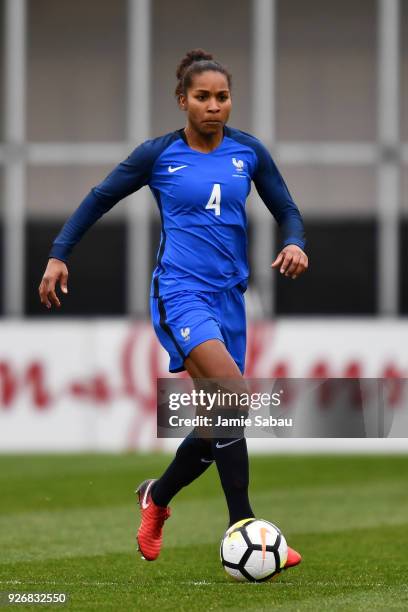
(195, 55)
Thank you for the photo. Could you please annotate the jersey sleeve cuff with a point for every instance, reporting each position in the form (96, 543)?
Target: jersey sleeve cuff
(297, 241)
(58, 251)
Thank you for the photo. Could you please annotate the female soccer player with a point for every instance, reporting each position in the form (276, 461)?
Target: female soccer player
(200, 177)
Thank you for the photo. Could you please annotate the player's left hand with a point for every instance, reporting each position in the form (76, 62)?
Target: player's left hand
(292, 261)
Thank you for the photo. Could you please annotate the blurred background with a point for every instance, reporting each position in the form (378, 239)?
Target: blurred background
(323, 84)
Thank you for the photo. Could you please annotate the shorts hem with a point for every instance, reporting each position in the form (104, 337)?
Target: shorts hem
(177, 370)
(181, 368)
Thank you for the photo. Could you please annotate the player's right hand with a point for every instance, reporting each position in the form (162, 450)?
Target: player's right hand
(55, 271)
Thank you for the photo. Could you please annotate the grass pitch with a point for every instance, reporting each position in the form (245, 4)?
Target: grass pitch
(68, 523)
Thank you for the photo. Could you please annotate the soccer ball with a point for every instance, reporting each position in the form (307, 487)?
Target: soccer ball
(253, 550)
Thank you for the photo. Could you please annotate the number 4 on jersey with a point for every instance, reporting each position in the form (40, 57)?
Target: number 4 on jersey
(215, 199)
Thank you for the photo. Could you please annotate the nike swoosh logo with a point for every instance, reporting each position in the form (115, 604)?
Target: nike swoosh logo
(218, 445)
(144, 504)
(206, 460)
(171, 169)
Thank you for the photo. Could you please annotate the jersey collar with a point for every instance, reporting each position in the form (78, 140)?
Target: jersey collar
(183, 137)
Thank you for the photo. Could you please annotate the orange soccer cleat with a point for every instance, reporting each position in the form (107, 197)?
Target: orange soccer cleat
(150, 533)
(293, 558)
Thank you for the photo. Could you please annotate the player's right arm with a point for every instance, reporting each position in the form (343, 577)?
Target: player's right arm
(128, 176)
(55, 272)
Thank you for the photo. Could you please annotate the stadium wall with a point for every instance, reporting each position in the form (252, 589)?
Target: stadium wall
(90, 385)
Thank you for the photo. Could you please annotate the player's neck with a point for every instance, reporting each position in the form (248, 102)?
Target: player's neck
(205, 143)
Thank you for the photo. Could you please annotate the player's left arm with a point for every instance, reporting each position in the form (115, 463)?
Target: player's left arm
(292, 259)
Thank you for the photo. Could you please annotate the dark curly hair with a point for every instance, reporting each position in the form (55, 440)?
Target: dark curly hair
(195, 62)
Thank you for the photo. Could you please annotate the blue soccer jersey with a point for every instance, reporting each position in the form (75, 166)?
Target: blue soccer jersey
(201, 198)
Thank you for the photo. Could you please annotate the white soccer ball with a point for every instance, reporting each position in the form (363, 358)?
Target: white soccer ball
(253, 550)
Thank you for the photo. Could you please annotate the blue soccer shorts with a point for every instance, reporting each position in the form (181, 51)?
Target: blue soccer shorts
(185, 319)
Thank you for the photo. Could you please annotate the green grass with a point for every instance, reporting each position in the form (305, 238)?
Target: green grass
(68, 522)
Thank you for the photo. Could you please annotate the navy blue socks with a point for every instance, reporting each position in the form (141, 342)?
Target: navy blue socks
(231, 457)
(192, 459)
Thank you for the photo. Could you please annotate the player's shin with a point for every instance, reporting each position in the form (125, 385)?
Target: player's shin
(193, 457)
(231, 457)
(231, 453)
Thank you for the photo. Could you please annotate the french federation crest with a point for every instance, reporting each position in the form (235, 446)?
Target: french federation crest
(239, 164)
(185, 332)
